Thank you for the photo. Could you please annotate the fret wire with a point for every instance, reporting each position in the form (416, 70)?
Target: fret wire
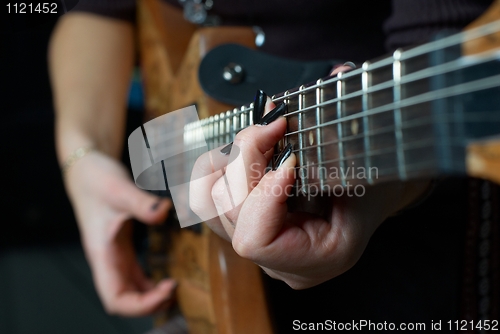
(242, 120)
(251, 112)
(221, 126)
(365, 83)
(340, 93)
(396, 72)
(301, 100)
(223, 130)
(248, 118)
(468, 87)
(319, 135)
(211, 132)
(229, 126)
(216, 131)
(201, 131)
(241, 114)
(234, 126)
(194, 134)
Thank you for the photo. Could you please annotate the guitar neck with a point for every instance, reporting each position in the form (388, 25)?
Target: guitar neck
(402, 117)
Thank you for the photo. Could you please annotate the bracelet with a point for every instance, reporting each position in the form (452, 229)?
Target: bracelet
(74, 157)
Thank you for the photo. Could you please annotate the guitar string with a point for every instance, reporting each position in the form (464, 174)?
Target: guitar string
(408, 126)
(427, 73)
(412, 53)
(426, 168)
(378, 152)
(424, 74)
(407, 54)
(389, 83)
(417, 122)
(372, 153)
(460, 89)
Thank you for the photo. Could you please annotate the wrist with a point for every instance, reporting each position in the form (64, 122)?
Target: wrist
(70, 138)
(73, 158)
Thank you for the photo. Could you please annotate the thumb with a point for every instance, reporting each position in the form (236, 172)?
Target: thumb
(148, 208)
(258, 228)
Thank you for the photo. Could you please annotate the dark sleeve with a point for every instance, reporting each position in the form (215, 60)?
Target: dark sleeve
(118, 9)
(415, 21)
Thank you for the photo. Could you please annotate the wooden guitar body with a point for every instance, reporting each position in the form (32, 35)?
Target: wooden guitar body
(218, 291)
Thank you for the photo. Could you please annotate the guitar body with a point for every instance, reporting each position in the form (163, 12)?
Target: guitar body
(218, 291)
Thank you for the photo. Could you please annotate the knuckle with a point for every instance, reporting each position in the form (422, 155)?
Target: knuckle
(218, 191)
(244, 139)
(244, 248)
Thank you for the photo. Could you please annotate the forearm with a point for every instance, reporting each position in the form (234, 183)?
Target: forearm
(90, 65)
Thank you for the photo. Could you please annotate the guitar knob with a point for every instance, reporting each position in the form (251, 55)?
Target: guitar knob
(233, 73)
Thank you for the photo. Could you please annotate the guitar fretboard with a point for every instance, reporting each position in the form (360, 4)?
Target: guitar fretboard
(402, 117)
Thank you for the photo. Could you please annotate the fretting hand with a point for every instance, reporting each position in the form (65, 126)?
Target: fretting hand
(302, 249)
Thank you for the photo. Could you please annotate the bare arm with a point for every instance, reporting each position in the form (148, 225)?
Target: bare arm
(90, 64)
(90, 60)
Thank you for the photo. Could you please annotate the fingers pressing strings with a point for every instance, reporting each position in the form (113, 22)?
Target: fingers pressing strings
(248, 162)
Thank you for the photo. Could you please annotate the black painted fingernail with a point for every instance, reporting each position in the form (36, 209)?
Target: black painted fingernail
(259, 105)
(155, 206)
(283, 156)
(274, 114)
(227, 149)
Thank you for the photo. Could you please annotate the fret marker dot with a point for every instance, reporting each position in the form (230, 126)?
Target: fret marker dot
(311, 138)
(354, 126)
